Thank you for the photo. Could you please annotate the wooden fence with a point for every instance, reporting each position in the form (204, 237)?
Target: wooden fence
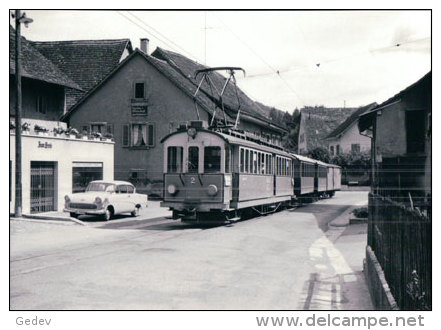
(402, 242)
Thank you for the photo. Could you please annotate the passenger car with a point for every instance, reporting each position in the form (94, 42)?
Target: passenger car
(105, 198)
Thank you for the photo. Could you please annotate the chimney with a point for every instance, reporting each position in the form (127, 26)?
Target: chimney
(145, 45)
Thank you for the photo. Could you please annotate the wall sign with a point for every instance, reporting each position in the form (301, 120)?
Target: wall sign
(139, 110)
(44, 145)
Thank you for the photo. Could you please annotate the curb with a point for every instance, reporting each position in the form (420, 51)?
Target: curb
(53, 219)
(356, 221)
(343, 219)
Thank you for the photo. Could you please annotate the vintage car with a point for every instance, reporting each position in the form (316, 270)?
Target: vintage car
(105, 198)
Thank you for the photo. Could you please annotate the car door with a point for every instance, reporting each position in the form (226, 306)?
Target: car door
(131, 198)
(120, 201)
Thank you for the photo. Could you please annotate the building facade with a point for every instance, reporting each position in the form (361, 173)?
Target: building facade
(56, 165)
(346, 138)
(55, 161)
(401, 144)
(316, 123)
(147, 97)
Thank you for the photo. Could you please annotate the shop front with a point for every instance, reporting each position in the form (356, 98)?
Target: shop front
(53, 166)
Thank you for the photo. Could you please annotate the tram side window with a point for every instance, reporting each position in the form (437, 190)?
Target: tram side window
(270, 164)
(247, 161)
(242, 160)
(174, 159)
(259, 163)
(212, 159)
(227, 159)
(255, 162)
(262, 169)
(266, 164)
(193, 160)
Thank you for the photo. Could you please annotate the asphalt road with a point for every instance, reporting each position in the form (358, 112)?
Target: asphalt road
(283, 261)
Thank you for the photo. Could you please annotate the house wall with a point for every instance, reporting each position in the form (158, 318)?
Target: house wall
(168, 106)
(391, 131)
(53, 96)
(111, 103)
(349, 137)
(63, 151)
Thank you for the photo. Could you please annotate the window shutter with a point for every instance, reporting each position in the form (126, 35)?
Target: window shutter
(126, 136)
(151, 134)
(109, 129)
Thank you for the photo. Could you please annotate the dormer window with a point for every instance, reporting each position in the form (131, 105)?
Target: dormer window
(139, 90)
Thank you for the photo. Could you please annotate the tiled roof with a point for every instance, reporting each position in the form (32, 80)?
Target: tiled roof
(350, 120)
(86, 62)
(36, 66)
(187, 68)
(421, 90)
(319, 122)
(180, 72)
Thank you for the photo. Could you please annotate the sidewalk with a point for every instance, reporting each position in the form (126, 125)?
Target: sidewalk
(58, 217)
(350, 240)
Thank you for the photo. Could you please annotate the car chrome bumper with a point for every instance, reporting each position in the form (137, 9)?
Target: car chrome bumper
(85, 212)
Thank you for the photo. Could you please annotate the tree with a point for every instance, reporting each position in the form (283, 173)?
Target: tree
(319, 153)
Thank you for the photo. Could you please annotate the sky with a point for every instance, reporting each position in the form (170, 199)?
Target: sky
(291, 58)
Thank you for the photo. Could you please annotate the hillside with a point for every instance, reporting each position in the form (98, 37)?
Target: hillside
(319, 122)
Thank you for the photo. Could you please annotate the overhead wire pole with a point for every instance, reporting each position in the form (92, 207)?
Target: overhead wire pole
(18, 145)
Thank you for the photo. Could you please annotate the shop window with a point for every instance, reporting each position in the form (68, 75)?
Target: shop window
(193, 160)
(337, 149)
(212, 159)
(331, 149)
(83, 173)
(174, 159)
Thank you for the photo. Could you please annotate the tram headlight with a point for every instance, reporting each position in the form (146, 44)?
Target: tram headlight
(172, 189)
(212, 190)
(192, 132)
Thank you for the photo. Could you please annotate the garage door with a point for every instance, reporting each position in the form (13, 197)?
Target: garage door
(43, 183)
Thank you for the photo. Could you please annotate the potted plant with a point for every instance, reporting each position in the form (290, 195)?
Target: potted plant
(58, 130)
(72, 132)
(96, 135)
(108, 136)
(25, 128)
(40, 130)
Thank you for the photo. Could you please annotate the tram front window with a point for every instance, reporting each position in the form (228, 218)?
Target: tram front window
(193, 160)
(174, 159)
(212, 159)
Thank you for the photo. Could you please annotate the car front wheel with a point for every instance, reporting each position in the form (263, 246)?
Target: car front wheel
(135, 212)
(108, 215)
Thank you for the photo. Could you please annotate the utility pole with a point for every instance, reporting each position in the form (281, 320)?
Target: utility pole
(18, 184)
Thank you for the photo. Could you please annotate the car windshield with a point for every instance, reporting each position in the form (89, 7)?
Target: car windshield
(100, 186)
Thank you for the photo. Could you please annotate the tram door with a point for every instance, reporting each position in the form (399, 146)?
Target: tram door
(43, 182)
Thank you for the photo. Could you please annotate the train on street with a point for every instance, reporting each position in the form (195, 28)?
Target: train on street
(222, 175)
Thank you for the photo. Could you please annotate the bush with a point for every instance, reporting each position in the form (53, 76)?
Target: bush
(361, 212)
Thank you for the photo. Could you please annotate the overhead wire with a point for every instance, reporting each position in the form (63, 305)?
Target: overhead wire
(161, 37)
(260, 57)
(301, 67)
